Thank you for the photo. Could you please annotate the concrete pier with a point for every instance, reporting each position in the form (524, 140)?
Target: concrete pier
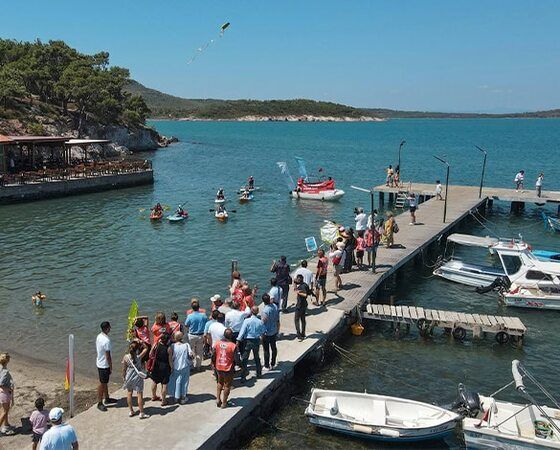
(200, 424)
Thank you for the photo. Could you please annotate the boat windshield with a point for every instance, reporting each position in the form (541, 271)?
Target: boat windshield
(512, 263)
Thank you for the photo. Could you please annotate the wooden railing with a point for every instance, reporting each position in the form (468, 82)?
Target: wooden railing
(86, 170)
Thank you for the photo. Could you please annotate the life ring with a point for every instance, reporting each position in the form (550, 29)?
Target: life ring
(459, 333)
(502, 337)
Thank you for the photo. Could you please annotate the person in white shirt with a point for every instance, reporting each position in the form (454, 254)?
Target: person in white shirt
(61, 436)
(361, 219)
(275, 293)
(216, 330)
(538, 184)
(305, 273)
(439, 190)
(104, 366)
(519, 178)
(413, 206)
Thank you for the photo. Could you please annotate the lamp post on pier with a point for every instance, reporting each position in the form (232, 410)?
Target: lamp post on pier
(446, 185)
(403, 142)
(372, 225)
(483, 170)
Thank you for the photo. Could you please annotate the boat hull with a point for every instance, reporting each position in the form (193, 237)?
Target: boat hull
(468, 274)
(482, 440)
(427, 434)
(532, 302)
(325, 196)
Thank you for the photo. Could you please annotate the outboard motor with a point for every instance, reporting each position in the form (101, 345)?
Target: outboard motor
(500, 284)
(467, 403)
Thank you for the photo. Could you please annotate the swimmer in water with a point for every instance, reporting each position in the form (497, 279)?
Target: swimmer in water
(38, 299)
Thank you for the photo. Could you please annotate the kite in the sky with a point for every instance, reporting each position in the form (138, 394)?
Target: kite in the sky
(200, 50)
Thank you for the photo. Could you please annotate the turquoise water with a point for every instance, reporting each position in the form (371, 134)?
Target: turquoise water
(93, 254)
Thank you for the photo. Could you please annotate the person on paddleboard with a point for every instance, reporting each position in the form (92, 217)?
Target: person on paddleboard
(251, 181)
(220, 194)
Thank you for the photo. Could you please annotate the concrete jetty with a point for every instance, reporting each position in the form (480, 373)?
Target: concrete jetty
(200, 424)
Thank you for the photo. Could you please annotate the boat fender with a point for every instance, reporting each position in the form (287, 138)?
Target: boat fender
(362, 429)
(388, 432)
(459, 333)
(502, 337)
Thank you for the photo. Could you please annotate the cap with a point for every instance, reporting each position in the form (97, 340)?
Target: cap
(215, 298)
(56, 414)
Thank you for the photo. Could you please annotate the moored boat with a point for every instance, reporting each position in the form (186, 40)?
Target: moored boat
(495, 424)
(533, 298)
(379, 417)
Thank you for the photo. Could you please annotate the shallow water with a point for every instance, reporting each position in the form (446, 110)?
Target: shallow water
(93, 254)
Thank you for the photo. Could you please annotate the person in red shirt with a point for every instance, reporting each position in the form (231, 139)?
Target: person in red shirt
(224, 358)
(160, 326)
(321, 277)
(174, 325)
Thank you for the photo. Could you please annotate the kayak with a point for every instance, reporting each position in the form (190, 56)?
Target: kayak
(156, 215)
(243, 199)
(178, 217)
(221, 216)
(220, 201)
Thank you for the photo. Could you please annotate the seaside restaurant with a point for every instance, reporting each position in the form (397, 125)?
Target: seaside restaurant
(36, 156)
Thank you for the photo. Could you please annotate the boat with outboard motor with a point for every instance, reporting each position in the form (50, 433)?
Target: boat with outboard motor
(379, 417)
(489, 423)
(518, 265)
(531, 297)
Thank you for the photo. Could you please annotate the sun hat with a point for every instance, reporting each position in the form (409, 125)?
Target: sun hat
(56, 414)
(215, 298)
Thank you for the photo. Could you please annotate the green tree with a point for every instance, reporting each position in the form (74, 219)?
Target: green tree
(11, 84)
(135, 111)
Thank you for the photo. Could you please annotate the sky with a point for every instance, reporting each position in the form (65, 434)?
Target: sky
(431, 55)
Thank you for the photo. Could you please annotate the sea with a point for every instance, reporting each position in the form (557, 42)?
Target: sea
(93, 254)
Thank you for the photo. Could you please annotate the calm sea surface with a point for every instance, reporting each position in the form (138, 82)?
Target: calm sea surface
(93, 254)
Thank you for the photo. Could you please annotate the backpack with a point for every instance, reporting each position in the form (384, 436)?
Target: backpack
(395, 227)
(150, 364)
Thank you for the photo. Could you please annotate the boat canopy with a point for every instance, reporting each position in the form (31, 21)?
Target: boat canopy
(472, 241)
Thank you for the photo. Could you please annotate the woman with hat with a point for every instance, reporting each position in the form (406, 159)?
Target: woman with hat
(388, 230)
(337, 257)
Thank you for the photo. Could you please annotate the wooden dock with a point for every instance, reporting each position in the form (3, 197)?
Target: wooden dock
(457, 323)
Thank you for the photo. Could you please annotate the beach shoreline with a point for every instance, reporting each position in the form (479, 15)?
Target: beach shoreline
(35, 378)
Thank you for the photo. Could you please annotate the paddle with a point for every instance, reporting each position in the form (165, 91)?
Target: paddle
(230, 210)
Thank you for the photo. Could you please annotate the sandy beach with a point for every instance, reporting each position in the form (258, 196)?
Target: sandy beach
(34, 378)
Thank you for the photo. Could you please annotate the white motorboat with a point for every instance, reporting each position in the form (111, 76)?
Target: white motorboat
(326, 196)
(518, 265)
(495, 424)
(534, 298)
(379, 417)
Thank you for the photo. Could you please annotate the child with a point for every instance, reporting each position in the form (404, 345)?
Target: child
(360, 247)
(39, 421)
(438, 190)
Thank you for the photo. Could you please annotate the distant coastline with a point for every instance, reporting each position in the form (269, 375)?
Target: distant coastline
(289, 118)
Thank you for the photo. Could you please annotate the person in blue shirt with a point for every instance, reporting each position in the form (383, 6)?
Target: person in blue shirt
(194, 325)
(250, 335)
(271, 319)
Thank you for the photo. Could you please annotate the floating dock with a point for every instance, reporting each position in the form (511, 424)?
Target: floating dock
(457, 323)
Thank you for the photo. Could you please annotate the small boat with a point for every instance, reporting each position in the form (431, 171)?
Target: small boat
(323, 195)
(495, 424)
(379, 417)
(222, 216)
(178, 217)
(220, 201)
(531, 297)
(156, 215)
(550, 222)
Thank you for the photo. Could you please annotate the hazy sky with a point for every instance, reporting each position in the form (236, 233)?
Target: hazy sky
(424, 55)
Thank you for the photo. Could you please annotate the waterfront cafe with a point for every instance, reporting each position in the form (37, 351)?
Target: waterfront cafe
(29, 153)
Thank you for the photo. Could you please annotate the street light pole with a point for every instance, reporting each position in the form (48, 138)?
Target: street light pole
(403, 142)
(446, 186)
(372, 226)
(483, 170)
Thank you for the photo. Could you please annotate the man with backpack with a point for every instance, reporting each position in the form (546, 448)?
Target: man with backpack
(283, 279)
(302, 292)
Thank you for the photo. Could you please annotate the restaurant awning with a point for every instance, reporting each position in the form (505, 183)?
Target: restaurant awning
(87, 141)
